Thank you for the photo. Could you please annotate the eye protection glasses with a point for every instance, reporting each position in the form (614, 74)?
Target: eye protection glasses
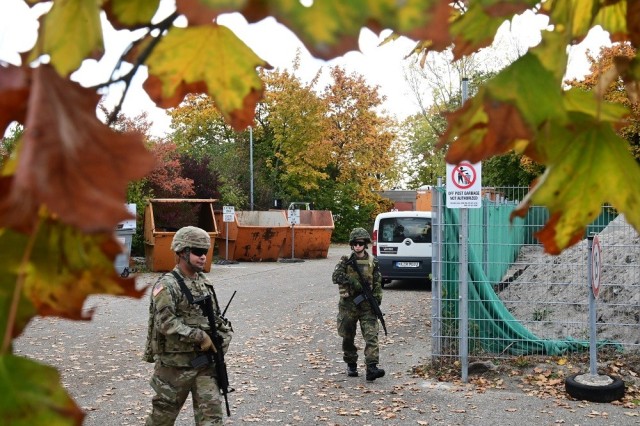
(198, 251)
(359, 243)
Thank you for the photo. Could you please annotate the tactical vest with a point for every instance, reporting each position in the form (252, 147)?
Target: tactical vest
(366, 267)
(191, 315)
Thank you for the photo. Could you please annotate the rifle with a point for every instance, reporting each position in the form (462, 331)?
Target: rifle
(367, 294)
(222, 378)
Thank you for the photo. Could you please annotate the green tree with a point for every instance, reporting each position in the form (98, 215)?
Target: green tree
(293, 129)
(425, 164)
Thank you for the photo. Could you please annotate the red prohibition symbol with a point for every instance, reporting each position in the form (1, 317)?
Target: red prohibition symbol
(463, 175)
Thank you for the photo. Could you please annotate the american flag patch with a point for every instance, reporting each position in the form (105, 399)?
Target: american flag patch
(157, 289)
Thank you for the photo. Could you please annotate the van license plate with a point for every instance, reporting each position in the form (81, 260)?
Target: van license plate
(408, 264)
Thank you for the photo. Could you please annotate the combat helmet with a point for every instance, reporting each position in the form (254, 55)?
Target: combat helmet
(359, 234)
(190, 236)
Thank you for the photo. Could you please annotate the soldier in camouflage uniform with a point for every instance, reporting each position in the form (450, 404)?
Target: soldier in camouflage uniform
(349, 313)
(178, 330)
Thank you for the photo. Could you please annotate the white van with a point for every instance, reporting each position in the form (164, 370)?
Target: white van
(402, 245)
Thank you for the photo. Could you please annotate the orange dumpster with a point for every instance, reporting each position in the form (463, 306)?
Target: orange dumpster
(162, 219)
(254, 236)
(312, 237)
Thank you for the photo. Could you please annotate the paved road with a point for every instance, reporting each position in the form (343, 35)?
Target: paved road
(285, 360)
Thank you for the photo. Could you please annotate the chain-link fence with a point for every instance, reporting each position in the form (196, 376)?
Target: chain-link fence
(522, 301)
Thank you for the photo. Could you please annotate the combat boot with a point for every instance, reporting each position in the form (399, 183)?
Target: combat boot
(352, 369)
(373, 372)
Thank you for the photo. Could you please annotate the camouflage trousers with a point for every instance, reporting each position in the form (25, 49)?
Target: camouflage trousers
(172, 386)
(348, 317)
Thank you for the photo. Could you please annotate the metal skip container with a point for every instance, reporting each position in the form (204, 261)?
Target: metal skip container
(254, 236)
(312, 237)
(162, 219)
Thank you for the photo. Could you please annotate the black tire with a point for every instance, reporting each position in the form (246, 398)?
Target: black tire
(594, 393)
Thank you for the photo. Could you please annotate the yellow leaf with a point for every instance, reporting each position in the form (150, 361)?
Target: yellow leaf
(207, 58)
(71, 33)
(562, 361)
(130, 14)
(63, 269)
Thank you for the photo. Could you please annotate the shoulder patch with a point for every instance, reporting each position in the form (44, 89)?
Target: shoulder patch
(157, 289)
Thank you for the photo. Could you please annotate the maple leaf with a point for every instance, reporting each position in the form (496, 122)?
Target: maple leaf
(70, 33)
(477, 27)
(211, 59)
(32, 394)
(130, 14)
(14, 94)
(70, 161)
(504, 112)
(67, 266)
(330, 29)
(584, 172)
(58, 270)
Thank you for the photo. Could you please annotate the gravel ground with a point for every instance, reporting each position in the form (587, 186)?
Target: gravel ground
(285, 361)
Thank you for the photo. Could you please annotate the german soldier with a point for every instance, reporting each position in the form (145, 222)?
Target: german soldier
(349, 314)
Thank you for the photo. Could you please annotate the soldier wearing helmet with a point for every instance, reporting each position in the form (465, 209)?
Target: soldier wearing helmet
(349, 314)
(179, 331)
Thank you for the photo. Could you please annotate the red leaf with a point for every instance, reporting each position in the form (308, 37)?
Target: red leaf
(14, 93)
(70, 161)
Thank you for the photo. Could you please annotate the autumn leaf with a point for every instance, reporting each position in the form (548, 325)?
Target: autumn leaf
(201, 12)
(477, 27)
(593, 168)
(32, 395)
(65, 266)
(206, 59)
(13, 246)
(504, 112)
(130, 14)
(330, 29)
(70, 161)
(70, 33)
(14, 94)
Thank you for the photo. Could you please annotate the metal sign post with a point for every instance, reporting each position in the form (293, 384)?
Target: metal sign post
(293, 215)
(464, 191)
(294, 219)
(228, 215)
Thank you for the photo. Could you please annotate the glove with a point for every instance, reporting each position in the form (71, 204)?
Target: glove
(355, 285)
(206, 344)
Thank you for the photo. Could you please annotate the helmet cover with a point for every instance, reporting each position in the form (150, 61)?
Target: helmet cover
(190, 236)
(359, 234)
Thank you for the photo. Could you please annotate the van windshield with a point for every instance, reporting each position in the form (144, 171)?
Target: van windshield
(397, 229)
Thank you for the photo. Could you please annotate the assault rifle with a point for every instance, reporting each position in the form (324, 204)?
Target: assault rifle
(367, 294)
(217, 357)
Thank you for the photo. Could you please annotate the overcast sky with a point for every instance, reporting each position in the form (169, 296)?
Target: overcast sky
(380, 65)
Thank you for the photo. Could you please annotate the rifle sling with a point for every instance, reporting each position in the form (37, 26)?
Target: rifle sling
(187, 292)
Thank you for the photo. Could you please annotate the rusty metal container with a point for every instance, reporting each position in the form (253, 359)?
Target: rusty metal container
(254, 236)
(312, 237)
(162, 219)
